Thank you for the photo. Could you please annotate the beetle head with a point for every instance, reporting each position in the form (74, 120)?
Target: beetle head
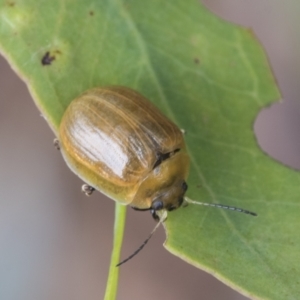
(164, 187)
(170, 200)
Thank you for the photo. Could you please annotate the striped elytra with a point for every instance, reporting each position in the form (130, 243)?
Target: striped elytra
(120, 144)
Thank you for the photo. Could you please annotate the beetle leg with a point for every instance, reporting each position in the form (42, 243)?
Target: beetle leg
(154, 215)
(87, 189)
(139, 209)
(161, 216)
(56, 144)
(152, 211)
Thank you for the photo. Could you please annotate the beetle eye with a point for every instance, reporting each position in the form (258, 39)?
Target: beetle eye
(157, 205)
(184, 186)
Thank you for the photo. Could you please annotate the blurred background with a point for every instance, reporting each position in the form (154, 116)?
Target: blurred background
(55, 243)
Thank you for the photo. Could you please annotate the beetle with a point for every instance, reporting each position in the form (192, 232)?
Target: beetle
(119, 143)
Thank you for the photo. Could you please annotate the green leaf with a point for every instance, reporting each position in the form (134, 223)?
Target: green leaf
(209, 76)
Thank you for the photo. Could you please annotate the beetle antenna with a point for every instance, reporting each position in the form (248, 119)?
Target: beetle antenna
(241, 210)
(161, 220)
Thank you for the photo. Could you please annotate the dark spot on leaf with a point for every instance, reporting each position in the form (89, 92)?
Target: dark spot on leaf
(91, 13)
(196, 60)
(11, 3)
(47, 59)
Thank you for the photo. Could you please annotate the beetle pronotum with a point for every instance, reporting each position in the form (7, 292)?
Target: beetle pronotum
(119, 143)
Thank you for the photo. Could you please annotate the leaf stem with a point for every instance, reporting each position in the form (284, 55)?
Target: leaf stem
(113, 276)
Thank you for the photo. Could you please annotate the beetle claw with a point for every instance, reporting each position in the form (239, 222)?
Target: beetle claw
(87, 189)
(154, 215)
(56, 144)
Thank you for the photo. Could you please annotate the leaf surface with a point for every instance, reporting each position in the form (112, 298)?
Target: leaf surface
(210, 77)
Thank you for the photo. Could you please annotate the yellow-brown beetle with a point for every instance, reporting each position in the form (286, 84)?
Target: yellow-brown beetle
(122, 145)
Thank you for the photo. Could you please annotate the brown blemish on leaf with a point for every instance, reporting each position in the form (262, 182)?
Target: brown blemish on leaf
(11, 3)
(91, 13)
(196, 60)
(47, 59)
